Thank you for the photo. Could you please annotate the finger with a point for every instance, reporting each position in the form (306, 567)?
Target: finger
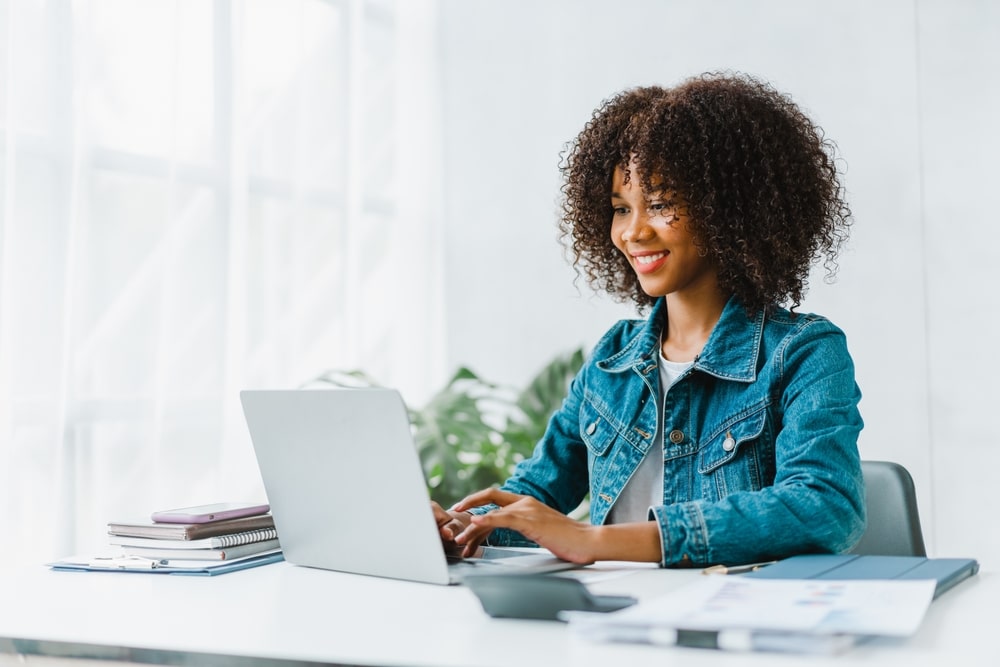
(497, 519)
(451, 529)
(473, 545)
(485, 497)
(521, 516)
(441, 517)
(447, 532)
(471, 535)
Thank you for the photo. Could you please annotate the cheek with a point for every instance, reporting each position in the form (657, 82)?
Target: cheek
(616, 235)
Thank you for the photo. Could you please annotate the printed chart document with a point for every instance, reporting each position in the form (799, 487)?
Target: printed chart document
(737, 613)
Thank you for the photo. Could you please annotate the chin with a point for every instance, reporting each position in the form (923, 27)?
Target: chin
(655, 291)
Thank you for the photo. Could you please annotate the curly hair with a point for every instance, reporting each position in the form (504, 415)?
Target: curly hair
(759, 179)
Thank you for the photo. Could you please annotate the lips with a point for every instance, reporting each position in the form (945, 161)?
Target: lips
(647, 263)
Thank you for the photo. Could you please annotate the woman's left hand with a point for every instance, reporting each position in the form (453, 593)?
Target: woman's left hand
(565, 537)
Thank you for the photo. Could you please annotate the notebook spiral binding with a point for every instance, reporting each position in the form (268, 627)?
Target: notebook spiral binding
(246, 537)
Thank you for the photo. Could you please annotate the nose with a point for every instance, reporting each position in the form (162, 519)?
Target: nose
(637, 227)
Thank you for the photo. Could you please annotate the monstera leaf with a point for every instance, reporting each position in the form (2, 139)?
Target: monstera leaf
(458, 435)
(536, 403)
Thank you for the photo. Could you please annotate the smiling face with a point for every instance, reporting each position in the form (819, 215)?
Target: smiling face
(652, 231)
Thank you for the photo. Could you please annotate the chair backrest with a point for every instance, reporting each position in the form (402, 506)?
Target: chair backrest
(893, 521)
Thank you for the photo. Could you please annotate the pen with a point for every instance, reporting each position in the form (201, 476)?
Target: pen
(736, 569)
(735, 639)
(729, 639)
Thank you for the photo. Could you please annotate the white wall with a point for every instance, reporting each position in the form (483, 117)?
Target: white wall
(910, 92)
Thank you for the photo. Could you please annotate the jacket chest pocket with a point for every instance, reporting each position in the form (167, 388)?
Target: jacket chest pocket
(596, 431)
(737, 457)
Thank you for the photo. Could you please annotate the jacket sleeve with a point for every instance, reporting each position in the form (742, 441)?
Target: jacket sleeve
(816, 503)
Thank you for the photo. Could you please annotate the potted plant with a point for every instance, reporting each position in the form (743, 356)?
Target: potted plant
(472, 432)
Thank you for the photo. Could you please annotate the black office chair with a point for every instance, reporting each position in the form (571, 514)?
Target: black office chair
(893, 521)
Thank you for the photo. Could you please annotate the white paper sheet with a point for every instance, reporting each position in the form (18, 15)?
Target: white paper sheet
(805, 606)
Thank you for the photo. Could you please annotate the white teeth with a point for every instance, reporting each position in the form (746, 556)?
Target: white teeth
(649, 259)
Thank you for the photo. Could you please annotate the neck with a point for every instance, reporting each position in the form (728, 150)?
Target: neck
(690, 320)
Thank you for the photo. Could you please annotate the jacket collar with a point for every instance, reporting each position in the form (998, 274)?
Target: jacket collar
(731, 350)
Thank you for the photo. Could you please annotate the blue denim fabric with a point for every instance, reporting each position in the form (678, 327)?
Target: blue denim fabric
(760, 439)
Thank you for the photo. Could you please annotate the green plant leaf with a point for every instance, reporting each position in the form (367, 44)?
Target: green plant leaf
(472, 432)
(455, 437)
(540, 399)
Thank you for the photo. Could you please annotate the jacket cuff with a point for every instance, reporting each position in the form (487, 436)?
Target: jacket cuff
(483, 509)
(683, 537)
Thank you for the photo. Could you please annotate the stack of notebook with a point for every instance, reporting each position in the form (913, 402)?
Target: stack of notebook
(225, 540)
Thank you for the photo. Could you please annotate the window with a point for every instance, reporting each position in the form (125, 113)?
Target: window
(198, 197)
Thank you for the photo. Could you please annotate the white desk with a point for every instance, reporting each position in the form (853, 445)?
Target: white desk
(282, 614)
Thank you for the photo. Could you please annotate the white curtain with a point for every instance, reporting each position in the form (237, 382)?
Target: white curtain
(196, 197)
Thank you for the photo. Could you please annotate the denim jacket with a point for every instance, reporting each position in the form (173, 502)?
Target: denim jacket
(759, 446)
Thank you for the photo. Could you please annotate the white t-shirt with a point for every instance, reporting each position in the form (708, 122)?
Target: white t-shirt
(645, 488)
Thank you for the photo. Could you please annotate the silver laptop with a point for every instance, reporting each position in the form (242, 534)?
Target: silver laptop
(347, 492)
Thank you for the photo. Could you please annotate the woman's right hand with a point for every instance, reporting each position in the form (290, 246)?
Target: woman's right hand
(450, 524)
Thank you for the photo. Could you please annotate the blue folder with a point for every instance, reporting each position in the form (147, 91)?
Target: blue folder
(946, 571)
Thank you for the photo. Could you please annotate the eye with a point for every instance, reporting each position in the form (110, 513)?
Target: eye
(619, 210)
(664, 209)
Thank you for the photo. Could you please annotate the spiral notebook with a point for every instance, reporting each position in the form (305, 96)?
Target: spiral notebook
(210, 553)
(189, 531)
(218, 542)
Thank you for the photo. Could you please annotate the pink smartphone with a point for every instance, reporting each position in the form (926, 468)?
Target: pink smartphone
(207, 513)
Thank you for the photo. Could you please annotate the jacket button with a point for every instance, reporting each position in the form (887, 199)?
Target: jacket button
(592, 428)
(729, 444)
(676, 436)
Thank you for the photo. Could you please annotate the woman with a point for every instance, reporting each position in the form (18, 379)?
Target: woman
(722, 428)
